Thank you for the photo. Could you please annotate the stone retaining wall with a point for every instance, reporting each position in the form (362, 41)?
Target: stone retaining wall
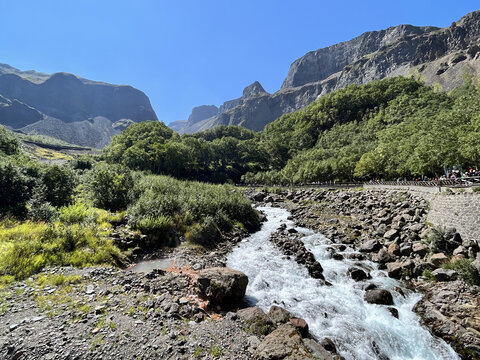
(460, 210)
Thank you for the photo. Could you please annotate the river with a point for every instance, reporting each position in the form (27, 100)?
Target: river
(360, 331)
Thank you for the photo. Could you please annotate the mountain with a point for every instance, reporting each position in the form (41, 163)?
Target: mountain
(68, 107)
(437, 56)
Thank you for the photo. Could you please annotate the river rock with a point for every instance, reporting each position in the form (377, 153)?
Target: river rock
(438, 259)
(257, 321)
(419, 249)
(394, 249)
(370, 246)
(476, 264)
(405, 249)
(279, 315)
(301, 325)
(283, 343)
(391, 234)
(383, 256)
(445, 275)
(357, 274)
(259, 196)
(397, 269)
(320, 352)
(222, 286)
(378, 296)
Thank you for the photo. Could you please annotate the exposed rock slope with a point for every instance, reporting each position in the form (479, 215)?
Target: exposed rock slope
(439, 57)
(67, 107)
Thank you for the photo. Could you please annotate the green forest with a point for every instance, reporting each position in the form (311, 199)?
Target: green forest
(174, 187)
(386, 129)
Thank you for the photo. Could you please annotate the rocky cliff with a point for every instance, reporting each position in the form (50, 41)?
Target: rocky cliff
(436, 56)
(70, 108)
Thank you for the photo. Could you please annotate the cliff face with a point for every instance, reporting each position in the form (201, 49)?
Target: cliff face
(438, 57)
(36, 101)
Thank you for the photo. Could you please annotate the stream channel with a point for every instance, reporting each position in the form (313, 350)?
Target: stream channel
(360, 331)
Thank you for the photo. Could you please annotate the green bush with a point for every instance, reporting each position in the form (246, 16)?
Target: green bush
(60, 182)
(15, 189)
(110, 186)
(465, 269)
(38, 208)
(9, 144)
(160, 231)
(83, 162)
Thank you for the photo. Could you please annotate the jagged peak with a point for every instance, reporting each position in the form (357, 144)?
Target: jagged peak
(253, 89)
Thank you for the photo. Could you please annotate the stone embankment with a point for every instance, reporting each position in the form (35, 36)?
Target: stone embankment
(392, 228)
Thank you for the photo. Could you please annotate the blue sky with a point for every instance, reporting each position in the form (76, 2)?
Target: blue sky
(188, 53)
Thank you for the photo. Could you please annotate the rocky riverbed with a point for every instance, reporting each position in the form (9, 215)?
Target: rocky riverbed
(389, 227)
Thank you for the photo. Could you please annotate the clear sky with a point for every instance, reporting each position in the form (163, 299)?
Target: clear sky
(185, 53)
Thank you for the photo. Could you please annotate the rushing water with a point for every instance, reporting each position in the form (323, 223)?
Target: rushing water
(361, 331)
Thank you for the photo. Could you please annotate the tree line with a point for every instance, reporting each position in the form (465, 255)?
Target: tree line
(396, 127)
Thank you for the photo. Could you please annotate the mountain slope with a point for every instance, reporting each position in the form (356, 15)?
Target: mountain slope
(67, 107)
(435, 56)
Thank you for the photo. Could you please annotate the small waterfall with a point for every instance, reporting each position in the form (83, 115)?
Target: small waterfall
(361, 331)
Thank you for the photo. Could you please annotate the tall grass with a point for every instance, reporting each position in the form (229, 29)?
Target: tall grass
(76, 239)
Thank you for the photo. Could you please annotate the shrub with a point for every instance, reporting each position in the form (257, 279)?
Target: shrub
(9, 144)
(160, 231)
(110, 186)
(59, 184)
(465, 269)
(14, 189)
(77, 213)
(84, 162)
(199, 211)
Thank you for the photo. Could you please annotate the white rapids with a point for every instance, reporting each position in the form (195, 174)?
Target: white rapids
(360, 331)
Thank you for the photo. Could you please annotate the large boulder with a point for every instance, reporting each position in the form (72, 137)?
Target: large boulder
(222, 287)
(283, 343)
(378, 296)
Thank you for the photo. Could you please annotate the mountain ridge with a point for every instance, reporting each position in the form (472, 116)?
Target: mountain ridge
(436, 56)
(68, 107)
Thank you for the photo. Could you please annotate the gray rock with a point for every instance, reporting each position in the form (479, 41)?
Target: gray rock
(420, 249)
(370, 246)
(283, 343)
(379, 297)
(279, 315)
(445, 275)
(257, 321)
(391, 234)
(222, 286)
(438, 259)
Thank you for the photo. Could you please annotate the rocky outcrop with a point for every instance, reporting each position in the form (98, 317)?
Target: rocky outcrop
(200, 113)
(64, 106)
(435, 56)
(222, 287)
